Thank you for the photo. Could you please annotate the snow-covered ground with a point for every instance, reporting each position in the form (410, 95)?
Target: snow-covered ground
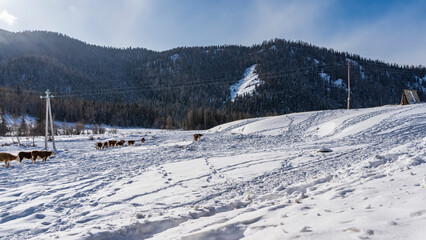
(252, 179)
(247, 84)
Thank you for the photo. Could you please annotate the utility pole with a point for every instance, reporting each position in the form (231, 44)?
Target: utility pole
(48, 115)
(349, 86)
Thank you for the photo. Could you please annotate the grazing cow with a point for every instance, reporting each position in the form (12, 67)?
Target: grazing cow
(120, 143)
(99, 145)
(7, 157)
(197, 136)
(105, 145)
(131, 142)
(23, 155)
(41, 154)
(143, 140)
(112, 143)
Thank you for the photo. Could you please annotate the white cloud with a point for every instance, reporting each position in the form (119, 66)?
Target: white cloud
(7, 17)
(393, 35)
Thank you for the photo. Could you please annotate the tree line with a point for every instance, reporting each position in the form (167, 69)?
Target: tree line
(188, 87)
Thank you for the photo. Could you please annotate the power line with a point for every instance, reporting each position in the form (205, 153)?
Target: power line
(211, 82)
(219, 81)
(214, 80)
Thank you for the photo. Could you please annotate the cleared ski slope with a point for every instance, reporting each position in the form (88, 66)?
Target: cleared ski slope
(252, 179)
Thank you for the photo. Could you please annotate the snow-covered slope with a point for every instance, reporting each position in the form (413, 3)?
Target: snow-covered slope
(252, 179)
(247, 84)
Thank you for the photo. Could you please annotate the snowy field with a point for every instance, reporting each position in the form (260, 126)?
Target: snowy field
(252, 179)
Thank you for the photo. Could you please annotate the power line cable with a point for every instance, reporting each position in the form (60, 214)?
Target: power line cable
(210, 82)
(317, 68)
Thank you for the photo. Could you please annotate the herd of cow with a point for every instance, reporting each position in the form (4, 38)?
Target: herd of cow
(7, 157)
(113, 143)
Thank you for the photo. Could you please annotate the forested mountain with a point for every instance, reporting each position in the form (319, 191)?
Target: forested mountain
(187, 87)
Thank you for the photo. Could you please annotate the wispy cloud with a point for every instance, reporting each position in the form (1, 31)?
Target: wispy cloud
(7, 18)
(295, 20)
(389, 30)
(395, 37)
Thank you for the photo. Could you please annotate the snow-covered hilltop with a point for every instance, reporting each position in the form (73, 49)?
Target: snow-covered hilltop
(259, 178)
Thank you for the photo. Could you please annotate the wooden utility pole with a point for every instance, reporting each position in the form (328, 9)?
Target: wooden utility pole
(48, 116)
(349, 87)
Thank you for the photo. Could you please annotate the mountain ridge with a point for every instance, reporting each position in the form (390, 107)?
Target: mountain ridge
(185, 83)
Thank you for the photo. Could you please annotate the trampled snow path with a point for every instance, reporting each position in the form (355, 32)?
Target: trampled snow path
(253, 179)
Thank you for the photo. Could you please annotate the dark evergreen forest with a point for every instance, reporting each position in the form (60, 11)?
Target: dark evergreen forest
(187, 87)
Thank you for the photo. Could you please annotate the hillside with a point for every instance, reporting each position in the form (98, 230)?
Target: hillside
(192, 85)
(261, 178)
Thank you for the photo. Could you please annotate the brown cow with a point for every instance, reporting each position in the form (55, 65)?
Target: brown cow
(105, 145)
(98, 145)
(131, 142)
(197, 136)
(120, 143)
(143, 140)
(112, 143)
(23, 155)
(7, 157)
(41, 154)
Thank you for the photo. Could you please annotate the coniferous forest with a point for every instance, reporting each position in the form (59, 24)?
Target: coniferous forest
(186, 87)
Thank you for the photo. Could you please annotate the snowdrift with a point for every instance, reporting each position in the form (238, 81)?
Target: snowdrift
(264, 178)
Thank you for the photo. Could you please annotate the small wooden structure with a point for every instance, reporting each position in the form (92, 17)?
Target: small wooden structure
(409, 97)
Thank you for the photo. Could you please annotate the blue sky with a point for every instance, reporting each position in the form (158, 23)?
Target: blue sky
(392, 31)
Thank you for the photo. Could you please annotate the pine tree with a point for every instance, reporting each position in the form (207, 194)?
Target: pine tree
(23, 127)
(3, 125)
(169, 122)
(39, 127)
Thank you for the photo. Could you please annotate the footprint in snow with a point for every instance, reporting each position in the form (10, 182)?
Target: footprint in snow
(418, 213)
(352, 229)
(305, 229)
(40, 216)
